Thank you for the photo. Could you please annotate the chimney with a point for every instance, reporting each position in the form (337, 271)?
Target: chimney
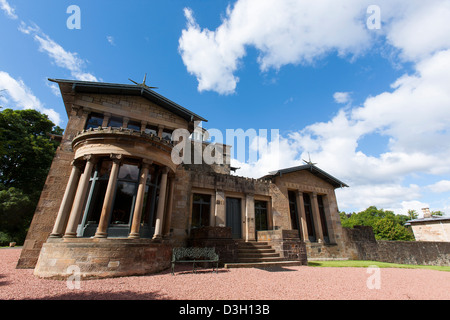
(426, 212)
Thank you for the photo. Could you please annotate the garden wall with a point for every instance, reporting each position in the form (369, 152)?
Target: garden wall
(361, 245)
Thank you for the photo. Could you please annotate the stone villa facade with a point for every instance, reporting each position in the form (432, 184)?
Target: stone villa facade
(114, 203)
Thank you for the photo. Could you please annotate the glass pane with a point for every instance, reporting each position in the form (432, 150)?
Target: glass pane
(123, 203)
(95, 120)
(261, 215)
(129, 172)
(205, 215)
(104, 169)
(134, 125)
(196, 215)
(95, 207)
(115, 122)
(151, 130)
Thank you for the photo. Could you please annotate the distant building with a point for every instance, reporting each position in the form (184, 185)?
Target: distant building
(115, 203)
(431, 228)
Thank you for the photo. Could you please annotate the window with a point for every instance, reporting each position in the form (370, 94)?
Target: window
(95, 120)
(127, 182)
(167, 135)
(201, 208)
(261, 215)
(293, 210)
(115, 122)
(151, 196)
(97, 190)
(149, 129)
(309, 217)
(323, 219)
(134, 125)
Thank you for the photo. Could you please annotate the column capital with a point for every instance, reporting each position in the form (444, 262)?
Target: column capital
(165, 170)
(77, 163)
(89, 157)
(116, 157)
(146, 163)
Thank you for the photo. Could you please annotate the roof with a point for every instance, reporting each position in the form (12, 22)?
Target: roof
(431, 219)
(130, 89)
(314, 170)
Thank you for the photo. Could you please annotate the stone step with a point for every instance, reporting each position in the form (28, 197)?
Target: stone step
(261, 259)
(262, 264)
(257, 254)
(248, 250)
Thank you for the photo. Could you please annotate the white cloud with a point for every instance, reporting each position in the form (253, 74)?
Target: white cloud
(22, 97)
(61, 57)
(111, 40)
(441, 186)
(342, 97)
(283, 32)
(413, 115)
(6, 7)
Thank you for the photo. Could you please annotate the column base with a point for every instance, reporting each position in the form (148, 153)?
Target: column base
(134, 235)
(101, 235)
(70, 235)
(55, 235)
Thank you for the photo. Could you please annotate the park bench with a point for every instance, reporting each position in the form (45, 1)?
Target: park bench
(195, 255)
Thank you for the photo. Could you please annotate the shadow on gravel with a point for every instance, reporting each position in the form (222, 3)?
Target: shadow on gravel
(93, 295)
(2, 282)
(276, 269)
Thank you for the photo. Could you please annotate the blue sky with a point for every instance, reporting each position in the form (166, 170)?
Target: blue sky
(370, 106)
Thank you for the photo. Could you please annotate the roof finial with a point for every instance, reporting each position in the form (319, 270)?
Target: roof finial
(309, 162)
(143, 84)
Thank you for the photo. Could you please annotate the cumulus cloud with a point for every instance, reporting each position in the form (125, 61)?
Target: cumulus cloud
(414, 114)
(17, 93)
(283, 32)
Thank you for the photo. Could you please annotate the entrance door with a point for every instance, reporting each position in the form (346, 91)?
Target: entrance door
(233, 212)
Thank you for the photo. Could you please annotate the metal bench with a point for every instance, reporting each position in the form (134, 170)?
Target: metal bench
(195, 255)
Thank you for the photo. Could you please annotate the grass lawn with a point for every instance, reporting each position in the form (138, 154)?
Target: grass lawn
(366, 264)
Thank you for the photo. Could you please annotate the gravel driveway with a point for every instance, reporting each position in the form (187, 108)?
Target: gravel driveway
(290, 283)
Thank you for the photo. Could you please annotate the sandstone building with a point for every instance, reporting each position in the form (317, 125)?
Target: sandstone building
(114, 202)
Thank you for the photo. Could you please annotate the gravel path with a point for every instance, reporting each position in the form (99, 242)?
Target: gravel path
(290, 283)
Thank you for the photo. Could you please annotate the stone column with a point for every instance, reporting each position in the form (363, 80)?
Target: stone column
(168, 219)
(301, 211)
(219, 209)
(106, 117)
(161, 205)
(212, 211)
(316, 217)
(80, 197)
(135, 225)
(67, 201)
(250, 217)
(109, 197)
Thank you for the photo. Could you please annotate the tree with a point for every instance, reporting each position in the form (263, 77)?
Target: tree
(385, 224)
(389, 229)
(26, 153)
(412, 214)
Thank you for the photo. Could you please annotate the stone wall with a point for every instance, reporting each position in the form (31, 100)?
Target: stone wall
(287, 243)
(102, 258)
(218, 238)
(360, 244)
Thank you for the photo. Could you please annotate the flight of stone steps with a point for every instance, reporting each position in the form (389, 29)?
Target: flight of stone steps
(254, 254)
